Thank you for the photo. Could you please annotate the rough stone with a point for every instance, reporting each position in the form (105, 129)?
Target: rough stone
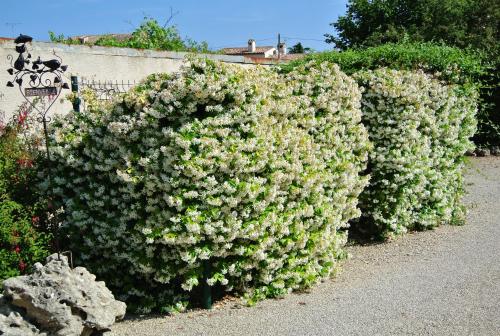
(63, 301)
(12, 322)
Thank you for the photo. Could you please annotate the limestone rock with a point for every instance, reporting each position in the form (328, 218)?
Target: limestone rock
(64, 301)
(12, 322)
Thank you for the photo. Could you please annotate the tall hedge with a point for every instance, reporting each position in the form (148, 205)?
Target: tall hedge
(450, 64)
(253, 174)
(420, 129)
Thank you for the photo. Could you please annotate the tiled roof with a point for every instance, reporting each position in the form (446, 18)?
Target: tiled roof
(244, 50)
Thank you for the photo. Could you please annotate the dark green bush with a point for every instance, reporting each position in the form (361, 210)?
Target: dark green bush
(452, 64)
(21, 244)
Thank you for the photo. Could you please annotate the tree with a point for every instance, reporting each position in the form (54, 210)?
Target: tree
(462, 23)
(298, 49)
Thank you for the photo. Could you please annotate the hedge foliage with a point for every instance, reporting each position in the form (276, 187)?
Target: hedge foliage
(253, 173)
(451, 64)
(420, 129)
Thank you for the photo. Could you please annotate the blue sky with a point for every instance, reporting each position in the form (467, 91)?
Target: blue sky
(221, 23)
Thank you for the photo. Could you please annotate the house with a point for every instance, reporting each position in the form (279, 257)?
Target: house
(264, 54)
(252, 50)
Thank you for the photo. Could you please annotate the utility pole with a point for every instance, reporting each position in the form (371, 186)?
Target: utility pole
(279, 43)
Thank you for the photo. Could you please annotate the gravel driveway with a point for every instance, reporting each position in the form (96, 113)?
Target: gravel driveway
(440, 282)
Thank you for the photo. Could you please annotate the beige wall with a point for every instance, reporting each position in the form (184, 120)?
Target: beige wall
(94, 63)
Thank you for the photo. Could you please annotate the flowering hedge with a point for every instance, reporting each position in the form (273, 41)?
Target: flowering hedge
(248, 171)
(451, 64)
(420, 129)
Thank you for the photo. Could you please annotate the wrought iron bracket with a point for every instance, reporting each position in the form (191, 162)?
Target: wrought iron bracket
(36, 78)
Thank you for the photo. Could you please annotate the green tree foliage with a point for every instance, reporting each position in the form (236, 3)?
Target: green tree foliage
(21, 245)
(298, 48)
(462, 23)
(149, 35)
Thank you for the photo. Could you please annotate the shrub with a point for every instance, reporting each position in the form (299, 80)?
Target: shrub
(22, 238)
(420, 129)
(451, 64)
(21, 245)
(18, 149)
(239, 169)
(149, 35)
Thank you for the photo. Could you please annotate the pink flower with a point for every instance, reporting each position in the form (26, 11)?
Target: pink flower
(22, 118)
(25, 163)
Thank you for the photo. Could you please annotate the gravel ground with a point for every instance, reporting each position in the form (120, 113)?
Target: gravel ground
(440, 282)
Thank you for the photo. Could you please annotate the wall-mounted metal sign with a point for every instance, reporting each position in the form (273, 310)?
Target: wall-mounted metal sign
(36, 78)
